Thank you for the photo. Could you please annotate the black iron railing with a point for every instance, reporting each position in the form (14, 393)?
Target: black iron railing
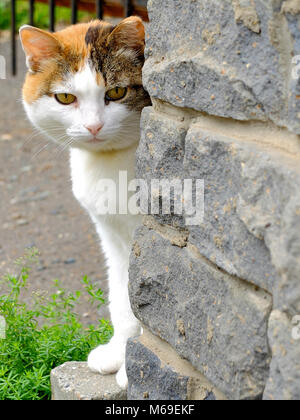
(13, 37)
(115, 8)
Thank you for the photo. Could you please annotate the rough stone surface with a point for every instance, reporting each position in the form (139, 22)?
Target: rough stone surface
(74, 381)
(229, 58)
(156, 372)
(284, 380)
(223, 237)
(161, 154)
(217, 322)
(162, 145)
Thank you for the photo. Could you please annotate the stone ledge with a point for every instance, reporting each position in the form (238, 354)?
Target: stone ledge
(74, 381)
(258, 133)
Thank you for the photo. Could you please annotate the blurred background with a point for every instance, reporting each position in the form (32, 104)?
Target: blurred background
(41, 14)
(37, 208)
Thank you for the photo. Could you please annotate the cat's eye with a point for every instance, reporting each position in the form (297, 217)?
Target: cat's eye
(116, 94)
(65, 98)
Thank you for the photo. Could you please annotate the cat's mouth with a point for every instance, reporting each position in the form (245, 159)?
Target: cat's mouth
(95, 140)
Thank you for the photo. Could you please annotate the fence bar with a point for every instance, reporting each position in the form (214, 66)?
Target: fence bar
(99, 9)
(128, 8)
(13, 38)
(74, 12)
(52, 15)
(31, 12)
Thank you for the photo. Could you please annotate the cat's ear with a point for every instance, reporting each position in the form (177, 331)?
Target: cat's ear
(38, 46)
(130, 33)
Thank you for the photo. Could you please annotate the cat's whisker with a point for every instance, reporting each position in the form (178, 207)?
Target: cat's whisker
(67, 144)
(60, 147)
(31, 137)
(67, 141)
(40, 151)
(37, 133)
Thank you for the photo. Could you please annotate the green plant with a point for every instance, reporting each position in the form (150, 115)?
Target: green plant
(43, 336)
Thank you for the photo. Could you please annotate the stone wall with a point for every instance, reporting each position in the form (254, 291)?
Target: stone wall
(219, 300)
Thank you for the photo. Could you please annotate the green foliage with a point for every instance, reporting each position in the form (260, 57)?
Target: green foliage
(41, 15)
(43, 336)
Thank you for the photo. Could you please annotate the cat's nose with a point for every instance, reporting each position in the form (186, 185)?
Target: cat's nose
(94, 129)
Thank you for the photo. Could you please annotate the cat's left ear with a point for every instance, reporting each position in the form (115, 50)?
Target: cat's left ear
(38, 45)
(130, 33)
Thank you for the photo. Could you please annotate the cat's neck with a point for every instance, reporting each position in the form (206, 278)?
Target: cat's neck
(104, 164)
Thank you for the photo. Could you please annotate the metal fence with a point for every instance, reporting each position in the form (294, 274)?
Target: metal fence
(111, 8)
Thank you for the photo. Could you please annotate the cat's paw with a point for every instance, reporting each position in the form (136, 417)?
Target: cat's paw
(121, 377)
(108, 358)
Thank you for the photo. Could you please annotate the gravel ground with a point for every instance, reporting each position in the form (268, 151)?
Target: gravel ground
(37, 207)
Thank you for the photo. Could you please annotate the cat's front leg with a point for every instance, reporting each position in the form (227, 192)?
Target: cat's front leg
(110, 358)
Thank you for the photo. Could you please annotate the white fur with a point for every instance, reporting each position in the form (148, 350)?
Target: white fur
(90, 163)
(67, 124)
(115, 232)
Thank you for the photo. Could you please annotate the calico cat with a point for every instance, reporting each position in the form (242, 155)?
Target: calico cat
(84, 89)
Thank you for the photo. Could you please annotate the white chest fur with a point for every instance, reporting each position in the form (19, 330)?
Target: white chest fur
(88, 170)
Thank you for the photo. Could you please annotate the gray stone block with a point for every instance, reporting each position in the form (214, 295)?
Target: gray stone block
(74, 381)
(160, 153)
(195, 82)
(228, 58)
(252, 203)
(156, 372)
(217, 322)
(161, 149)
(284, 379)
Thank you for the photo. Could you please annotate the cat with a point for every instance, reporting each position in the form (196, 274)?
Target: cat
(84, 89)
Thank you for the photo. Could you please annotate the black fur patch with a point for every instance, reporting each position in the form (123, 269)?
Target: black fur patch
(96, 32)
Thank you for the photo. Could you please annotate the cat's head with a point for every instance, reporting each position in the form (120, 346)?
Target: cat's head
(84, 84)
